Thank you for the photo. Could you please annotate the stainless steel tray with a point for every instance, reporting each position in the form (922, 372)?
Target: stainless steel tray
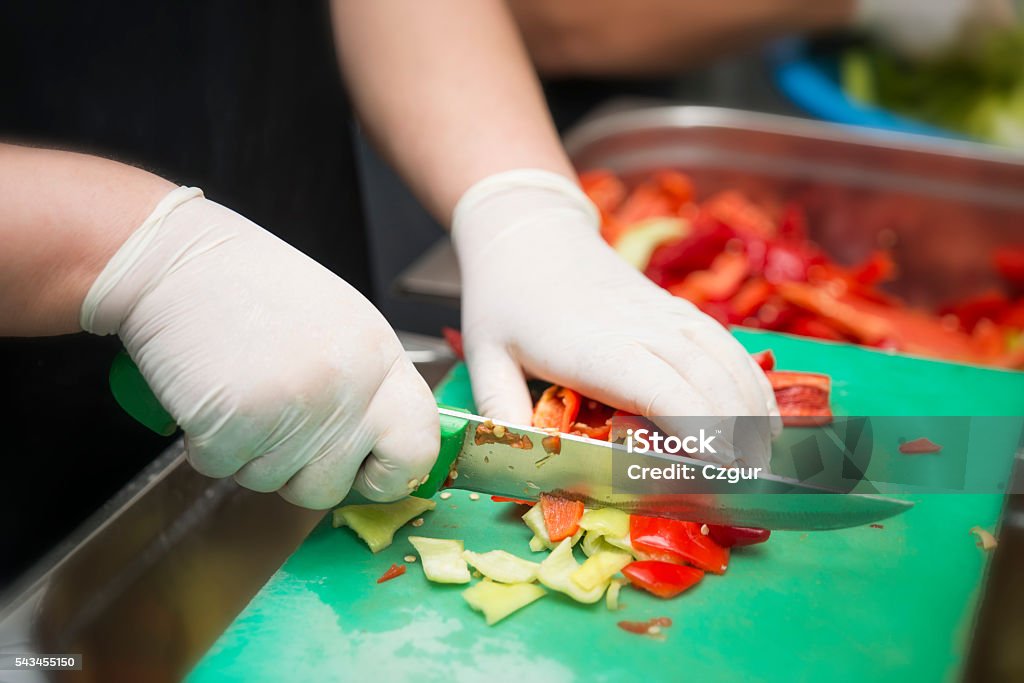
(940, 205)
(143, 588)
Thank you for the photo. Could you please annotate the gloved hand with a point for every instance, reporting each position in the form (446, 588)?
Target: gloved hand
(545, 296)
(279, 372)
(923, 28)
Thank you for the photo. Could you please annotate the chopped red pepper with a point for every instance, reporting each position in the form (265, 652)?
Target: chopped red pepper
(662, 579)
(919, 446)
(644, 628)
(394, 571)
(556, 409)
(765, 359)
(736, 536)
(561, 516)
(454, 339)
(720, 281)
(517, 501)
(786, 283)
(604, 189)
(676, 541)
(802, 397)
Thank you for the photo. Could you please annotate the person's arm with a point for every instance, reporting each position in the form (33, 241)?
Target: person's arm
(62, 216)
(279, 372)
(652, 37)
(447, 92)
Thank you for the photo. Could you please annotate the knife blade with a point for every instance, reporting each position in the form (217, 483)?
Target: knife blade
(522, 462)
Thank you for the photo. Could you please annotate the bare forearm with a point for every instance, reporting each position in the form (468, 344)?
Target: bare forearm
(650, 37)
(446, 90)
(62, 216)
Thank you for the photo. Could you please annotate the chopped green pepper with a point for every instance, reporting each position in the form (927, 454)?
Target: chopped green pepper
(442, 559)
(534, 519)
(376, 523)
(599, 568)
(502, 567)
(556, 572)
(497, 600)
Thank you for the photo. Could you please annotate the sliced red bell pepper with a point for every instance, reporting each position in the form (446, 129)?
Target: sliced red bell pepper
(878, 267)
(561, 516)
(751, 296)
(735, 536)
(765, 359)
(673, 540)
(662, 579)
(919, 446)
(673, 261)
(454, 339)
(556, 409)
(393, 571)
(802, 397)
(720, 281)
(604, 189)
(517, 501)
(732, 208)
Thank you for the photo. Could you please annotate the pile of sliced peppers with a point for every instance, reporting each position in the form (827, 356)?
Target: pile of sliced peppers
(745, 264)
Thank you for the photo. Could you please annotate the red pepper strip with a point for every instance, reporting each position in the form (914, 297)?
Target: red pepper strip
(661, 578)
(644, 628)
(673, 261)
(517, 501)
(862, 325)
(734, 536)
(676, 185)
(394, 571)
(732, 208)
(879, 267)
(571, 401)
(919, 446)
(802, 397)
(556, 409)
(751, 296)
(809, 326)
(646, 201)
(765, 359)
(718, 282)
(676, 541)
(561, 516)
(454, 339)
(594, 419)
(604, 189)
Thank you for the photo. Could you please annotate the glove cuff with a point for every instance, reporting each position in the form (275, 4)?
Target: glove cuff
(504, 200)
(100, 316)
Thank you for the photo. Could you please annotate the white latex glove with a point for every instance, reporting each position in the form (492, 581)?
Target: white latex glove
(543, 294)
(279, 372)
(922, 28)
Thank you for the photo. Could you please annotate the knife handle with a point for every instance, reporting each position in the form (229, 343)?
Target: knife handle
(133, 394)
(453, 433)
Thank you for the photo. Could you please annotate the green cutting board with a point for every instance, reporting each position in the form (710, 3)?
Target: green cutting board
(863, 604)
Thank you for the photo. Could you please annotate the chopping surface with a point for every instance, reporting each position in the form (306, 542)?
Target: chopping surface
(853, 605)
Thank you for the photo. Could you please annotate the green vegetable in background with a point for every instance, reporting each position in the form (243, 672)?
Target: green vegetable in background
(977, 92)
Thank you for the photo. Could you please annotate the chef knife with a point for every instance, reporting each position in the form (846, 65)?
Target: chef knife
(516, 461)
